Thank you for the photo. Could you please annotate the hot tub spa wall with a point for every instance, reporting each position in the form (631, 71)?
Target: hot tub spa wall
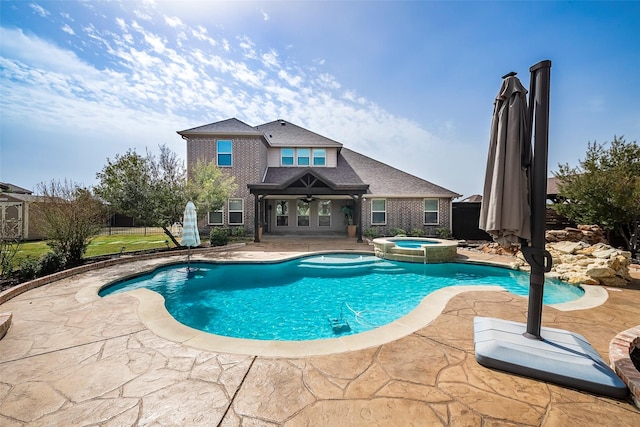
(443, 251)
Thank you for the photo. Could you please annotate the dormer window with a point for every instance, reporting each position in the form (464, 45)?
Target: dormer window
(319, 157)
(286, 156)
(303, 156)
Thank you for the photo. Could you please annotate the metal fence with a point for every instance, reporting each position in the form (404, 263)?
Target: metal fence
(175, 229)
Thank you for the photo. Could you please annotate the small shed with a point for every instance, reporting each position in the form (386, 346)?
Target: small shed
(18, 213)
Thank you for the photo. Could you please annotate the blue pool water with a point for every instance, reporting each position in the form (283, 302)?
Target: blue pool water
(413, 244)
(295, 300)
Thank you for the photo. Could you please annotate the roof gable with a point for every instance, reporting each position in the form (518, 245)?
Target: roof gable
(281, 133)
(230, 126)
(308, 179)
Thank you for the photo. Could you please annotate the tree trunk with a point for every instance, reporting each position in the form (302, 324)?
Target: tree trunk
(171, 236)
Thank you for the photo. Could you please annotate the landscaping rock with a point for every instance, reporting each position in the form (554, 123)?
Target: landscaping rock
(589, 234)
(600, 264)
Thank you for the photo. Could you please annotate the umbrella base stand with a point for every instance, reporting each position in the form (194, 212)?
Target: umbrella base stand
(560, 357)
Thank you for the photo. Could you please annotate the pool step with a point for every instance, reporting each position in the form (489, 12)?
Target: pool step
(376, 265)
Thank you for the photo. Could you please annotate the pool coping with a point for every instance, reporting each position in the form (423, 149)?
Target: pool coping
(153, 314)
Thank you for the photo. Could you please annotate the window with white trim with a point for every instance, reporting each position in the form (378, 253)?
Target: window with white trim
(236, 211)
(282, 213)
(303, 213)
(319, 157)
(379, 211)
(286, 156)
(224, 150)
(431, 211)
(216, 217)
(324, 213)
(303, 156)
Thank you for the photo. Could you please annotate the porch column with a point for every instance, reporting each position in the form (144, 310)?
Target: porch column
(256, 218)
(359, 216)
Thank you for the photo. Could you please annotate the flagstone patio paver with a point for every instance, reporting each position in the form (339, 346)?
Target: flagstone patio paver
(70, 358)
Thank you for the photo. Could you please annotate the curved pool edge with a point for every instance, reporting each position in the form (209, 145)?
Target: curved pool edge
(593, 297)
(153, 314)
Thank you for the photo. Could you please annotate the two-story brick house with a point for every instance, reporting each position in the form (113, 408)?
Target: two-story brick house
(294, 181)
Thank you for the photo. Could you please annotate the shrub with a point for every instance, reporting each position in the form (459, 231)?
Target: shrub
(443, 232)
(219, 236)
(398, 232)
(52, 262)
(371, 233)
(238, 232)
(28, 269)
(8, 250)
(69, 215)
(417, 232)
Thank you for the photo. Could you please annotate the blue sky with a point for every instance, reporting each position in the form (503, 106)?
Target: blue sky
(408, 83)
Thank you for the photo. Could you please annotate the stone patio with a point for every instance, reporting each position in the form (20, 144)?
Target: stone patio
(71, 358)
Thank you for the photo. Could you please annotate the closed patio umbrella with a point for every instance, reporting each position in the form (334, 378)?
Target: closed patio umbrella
(190, 233)
(512, 215)
(505, 213)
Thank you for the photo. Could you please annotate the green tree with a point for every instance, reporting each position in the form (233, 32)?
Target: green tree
(150, 188)
(209, 187)
(604, 189)
(154, 190)
(70, 216)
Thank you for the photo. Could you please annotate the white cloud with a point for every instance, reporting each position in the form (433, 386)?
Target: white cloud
(121, 24)
(247, 47)
(292, 80)
(265, 16)
(142, 15)
(67, 29)
(270, 59)
(200, 33)
(39, 9)
(173, 21)
(159, 84)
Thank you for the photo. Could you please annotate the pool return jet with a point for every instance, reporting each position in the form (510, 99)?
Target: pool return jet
(513, 211)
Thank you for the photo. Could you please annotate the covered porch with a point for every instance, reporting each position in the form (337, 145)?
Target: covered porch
(307, 202)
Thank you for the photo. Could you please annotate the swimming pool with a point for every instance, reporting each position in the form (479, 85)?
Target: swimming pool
(299, 299)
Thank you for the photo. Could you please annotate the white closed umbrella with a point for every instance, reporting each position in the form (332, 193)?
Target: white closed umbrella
(190, 233)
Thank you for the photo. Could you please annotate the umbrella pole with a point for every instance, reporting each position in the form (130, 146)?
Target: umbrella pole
(536, 255)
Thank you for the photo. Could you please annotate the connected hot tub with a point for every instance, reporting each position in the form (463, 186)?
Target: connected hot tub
(416, 249)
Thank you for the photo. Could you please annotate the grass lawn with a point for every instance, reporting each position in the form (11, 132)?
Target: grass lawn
(101, 245)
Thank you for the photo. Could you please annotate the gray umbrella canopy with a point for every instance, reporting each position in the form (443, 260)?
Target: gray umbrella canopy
(190, 234)
(505, 211)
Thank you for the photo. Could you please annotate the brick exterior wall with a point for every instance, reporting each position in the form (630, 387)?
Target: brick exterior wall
(407, 214)
(249, 159)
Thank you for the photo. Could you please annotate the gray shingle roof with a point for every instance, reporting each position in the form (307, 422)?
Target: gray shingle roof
(353, 169)
(230, 126)
(281, 133)
(385, 180)
(10, 188)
